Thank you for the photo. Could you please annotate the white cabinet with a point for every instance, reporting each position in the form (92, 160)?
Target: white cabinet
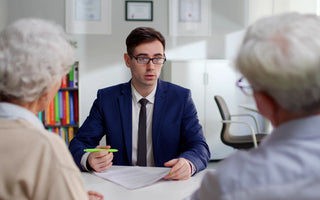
(207, 78)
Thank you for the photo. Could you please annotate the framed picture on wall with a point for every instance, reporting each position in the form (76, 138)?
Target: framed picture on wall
(189, 18)
(88, 17)
(139, 10)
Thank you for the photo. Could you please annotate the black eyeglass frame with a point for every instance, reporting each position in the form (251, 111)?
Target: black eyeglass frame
(152, 59)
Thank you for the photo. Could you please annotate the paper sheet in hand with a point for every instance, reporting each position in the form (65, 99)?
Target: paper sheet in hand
(133, 177)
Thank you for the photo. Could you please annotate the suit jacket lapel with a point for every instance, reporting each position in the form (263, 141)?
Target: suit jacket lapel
(125, 104)
(158, 115)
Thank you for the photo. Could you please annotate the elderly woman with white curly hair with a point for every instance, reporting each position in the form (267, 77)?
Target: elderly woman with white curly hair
(35, 164)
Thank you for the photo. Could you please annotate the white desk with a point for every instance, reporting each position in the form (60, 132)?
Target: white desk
(163, 189)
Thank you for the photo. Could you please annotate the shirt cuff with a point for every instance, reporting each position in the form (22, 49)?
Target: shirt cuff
(193, 168)
(84, 160)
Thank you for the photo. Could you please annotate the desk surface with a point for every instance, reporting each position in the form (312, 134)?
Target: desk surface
(163, 189)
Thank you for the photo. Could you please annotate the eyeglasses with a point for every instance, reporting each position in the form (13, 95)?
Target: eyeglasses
(245, 86)
(146, 60)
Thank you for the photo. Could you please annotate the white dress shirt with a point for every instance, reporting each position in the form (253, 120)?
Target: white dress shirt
(135, 123)
(285, 166)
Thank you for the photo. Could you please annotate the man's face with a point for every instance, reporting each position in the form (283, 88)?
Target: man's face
(145, 76)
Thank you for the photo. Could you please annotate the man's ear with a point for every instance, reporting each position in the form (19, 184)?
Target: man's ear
(266, 105)
(127, 59)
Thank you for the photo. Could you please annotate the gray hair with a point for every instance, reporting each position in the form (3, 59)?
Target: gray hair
(280, 55)
(34, 55)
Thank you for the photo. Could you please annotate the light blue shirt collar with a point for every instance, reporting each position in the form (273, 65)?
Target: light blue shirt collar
(12, 111)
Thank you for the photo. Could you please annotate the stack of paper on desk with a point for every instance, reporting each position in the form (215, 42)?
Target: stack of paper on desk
(133, 177)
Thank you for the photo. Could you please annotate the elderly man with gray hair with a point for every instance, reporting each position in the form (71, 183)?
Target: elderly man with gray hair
(35, 164)
(280, 58)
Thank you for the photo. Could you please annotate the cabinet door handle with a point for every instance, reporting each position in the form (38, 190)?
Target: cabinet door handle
(205, 78)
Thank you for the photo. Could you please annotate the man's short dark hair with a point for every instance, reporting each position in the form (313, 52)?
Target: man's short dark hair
(142, 35)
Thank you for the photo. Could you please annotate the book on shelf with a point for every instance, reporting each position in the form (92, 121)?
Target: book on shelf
(64, 82)
(64, 109)
(60, 104)
(67, 107)
(50, 113)
(71, 77)
(66, 136)
(70, 133)
(71, 108)
(56, 109)
(56, 130)
(76, 105)
(61, 130)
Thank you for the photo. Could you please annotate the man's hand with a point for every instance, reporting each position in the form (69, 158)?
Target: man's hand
(101, 160)
(181, 169)
(95, 195)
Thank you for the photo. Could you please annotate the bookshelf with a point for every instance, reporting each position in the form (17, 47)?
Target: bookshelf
(62, 115)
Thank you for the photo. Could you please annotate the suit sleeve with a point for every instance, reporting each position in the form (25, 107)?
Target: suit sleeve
(193, 144)
(89, 134)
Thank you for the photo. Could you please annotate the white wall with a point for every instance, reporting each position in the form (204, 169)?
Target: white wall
(101, 56)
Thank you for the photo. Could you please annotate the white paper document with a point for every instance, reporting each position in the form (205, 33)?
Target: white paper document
(133, 177)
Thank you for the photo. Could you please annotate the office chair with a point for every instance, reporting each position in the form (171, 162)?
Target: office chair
(237, 141)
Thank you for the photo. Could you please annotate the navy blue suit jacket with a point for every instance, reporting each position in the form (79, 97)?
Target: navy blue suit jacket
(176, 131)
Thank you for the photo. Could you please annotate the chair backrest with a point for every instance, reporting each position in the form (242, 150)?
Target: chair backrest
(223, 108)
(225, 115)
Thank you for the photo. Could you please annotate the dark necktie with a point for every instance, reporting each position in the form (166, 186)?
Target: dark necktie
(142, 129)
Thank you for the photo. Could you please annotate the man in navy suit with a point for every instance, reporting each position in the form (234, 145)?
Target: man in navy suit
(174, 137)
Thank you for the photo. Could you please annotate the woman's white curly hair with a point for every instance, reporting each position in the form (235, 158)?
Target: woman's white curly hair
(34, 55)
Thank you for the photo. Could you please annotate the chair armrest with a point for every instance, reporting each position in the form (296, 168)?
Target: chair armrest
(248, 115)
(254, 138)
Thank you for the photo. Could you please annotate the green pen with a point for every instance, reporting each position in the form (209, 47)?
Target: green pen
(96, 150)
